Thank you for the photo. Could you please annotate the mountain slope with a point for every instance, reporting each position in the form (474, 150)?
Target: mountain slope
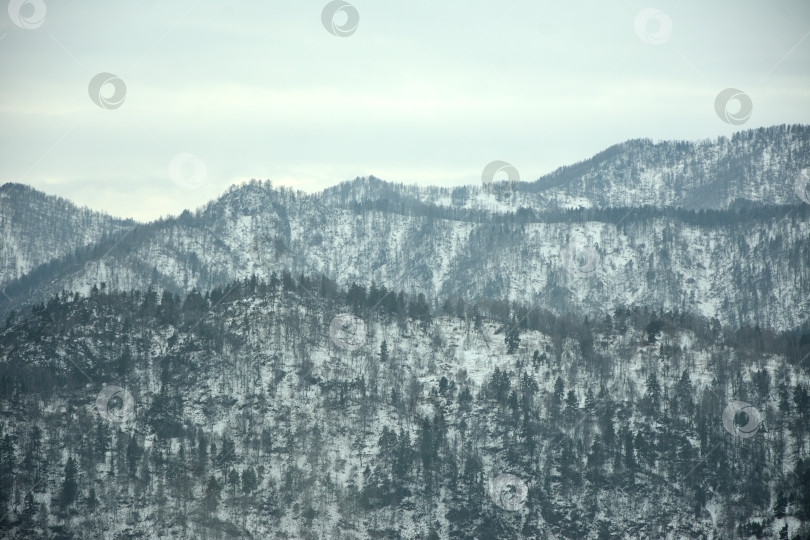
(757, 167)
(746, 264)
(35, 228)
(244, 414)
(742, 267)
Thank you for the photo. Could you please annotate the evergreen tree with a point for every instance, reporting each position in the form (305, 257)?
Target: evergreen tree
(780, 505)
(512, 339)
(29, 512)
(249, 481)
(653, 395)
(629, 456)
(557, 396)
(211, 496)
(233, 481)
(70, 486)
(683, 396)
(571, 401)
(419, 309)
(134, 453)
(92, 500)
(590, 401)
(8, 462)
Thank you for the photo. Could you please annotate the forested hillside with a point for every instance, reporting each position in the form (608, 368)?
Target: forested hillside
(744, 266)
(756, 166)
(619, 349)
(36, 228)
(714, 228)
(292, 408)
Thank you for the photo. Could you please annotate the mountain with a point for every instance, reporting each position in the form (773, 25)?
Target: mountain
(296, 409)
(634, 237)
(36, 228)
(753, 167)
(619, 349)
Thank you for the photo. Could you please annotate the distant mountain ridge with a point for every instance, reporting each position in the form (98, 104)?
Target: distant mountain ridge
(35, 228)
(633, 237)
(757, 166)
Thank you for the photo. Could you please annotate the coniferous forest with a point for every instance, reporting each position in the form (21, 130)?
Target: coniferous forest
(240, 412)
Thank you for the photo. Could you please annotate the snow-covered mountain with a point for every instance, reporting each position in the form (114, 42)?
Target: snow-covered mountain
(243, 413)
(583, 357)
(634, 237)
(757, 167)
(36, 228)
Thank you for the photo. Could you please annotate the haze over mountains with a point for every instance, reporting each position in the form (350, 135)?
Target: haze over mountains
(713, 228)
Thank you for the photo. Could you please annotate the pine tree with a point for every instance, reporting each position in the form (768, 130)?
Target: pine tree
(70, 486)
(512, 339)
(604, 530)
(124, 362)
(92, 500)
(653, 394)
(557, 395)
(607, 428)
(8, 461)
(33, 455)
(211, 496)
(499, 385)
(802, 399)
(780, 505)
(629, 457)
(29, 512)
(102, 442)
(590, 401)
(571, 401)
(249, 481)
(596, 459)
(683, 396)
(427, 452)
(419, 309)
(227, 454)
(134, 452)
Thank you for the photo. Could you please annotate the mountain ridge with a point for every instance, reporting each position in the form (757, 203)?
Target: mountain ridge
(26, 213)
(743, 263)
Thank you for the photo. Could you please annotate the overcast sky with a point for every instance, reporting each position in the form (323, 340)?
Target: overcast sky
(420, 92)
